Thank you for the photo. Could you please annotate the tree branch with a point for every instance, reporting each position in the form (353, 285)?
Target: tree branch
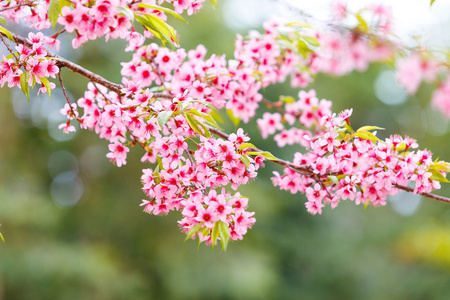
(117, 88)
(64, 63)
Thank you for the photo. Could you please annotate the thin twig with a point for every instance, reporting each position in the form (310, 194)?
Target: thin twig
(16, 6)
(428, 195)
(7, 46)
(161, 95)
(64, 63)
(65, 95)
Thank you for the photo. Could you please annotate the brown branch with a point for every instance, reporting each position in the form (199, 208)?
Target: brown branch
(7, 46)
(308, 172)
(272, 105)
(72, 112)
(117, 88)
(16, 6)
(428, 195)
(64, 63)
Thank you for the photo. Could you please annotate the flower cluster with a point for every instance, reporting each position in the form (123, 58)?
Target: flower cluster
(184, 179)
(167, 105)
(342, 164)
(93, 19)
(29, 65)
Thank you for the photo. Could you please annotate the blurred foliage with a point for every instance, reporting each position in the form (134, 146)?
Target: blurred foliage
(105, 247)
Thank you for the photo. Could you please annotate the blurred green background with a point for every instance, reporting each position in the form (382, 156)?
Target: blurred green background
(74, 230)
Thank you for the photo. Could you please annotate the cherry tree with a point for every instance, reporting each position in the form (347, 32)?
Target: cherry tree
(171, 102)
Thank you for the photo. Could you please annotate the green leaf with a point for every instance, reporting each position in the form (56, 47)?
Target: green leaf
(46, 83)
(367, 128)
(210, 121)
(63, 3)
(246, 145)
(437, 176)
(216, 116)
(2, 20)
(213, 3)
(367, 136)
(366, 204)
(431, 2)
(245, 160)
(311, 40)
(194, 124)
(126, 12)
(285, 44)
(340, 129)
(163, 117)
(54, 9)
(267, 155)
(184, 105)
(24, 84)
(440, 167)
(224, 234)
(206, 103)
(205, 130)
(298, 24)
(334, 179)
(303, 48)
(287, 99)
(362, 24)
(215, 234)
(193, 231)
(11, 55)
(164, 9)
(234, 119)
(159, 28)
(1, 237)
(7, 33)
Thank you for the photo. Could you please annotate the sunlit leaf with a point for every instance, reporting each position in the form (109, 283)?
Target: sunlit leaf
(224, 234)
(287, 99)
(437, 176)
(193, 231)
(245, 160)
(24, 84)
(54, 9)
(367, 128)
(7, 33)
(334, 179)
(194, 124)
(311, 40)
(247, 145)
(159, 28)
(367, 136)
(213, 3)
(366, 204)
(362, 24)
(164, 9)
(234, 119)
(440, 167)
(298, 24)
(46, 83)
(163, 117)
(216, 116)
(126, 12)
(265, 154)
(215, 234)
(206, 132)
